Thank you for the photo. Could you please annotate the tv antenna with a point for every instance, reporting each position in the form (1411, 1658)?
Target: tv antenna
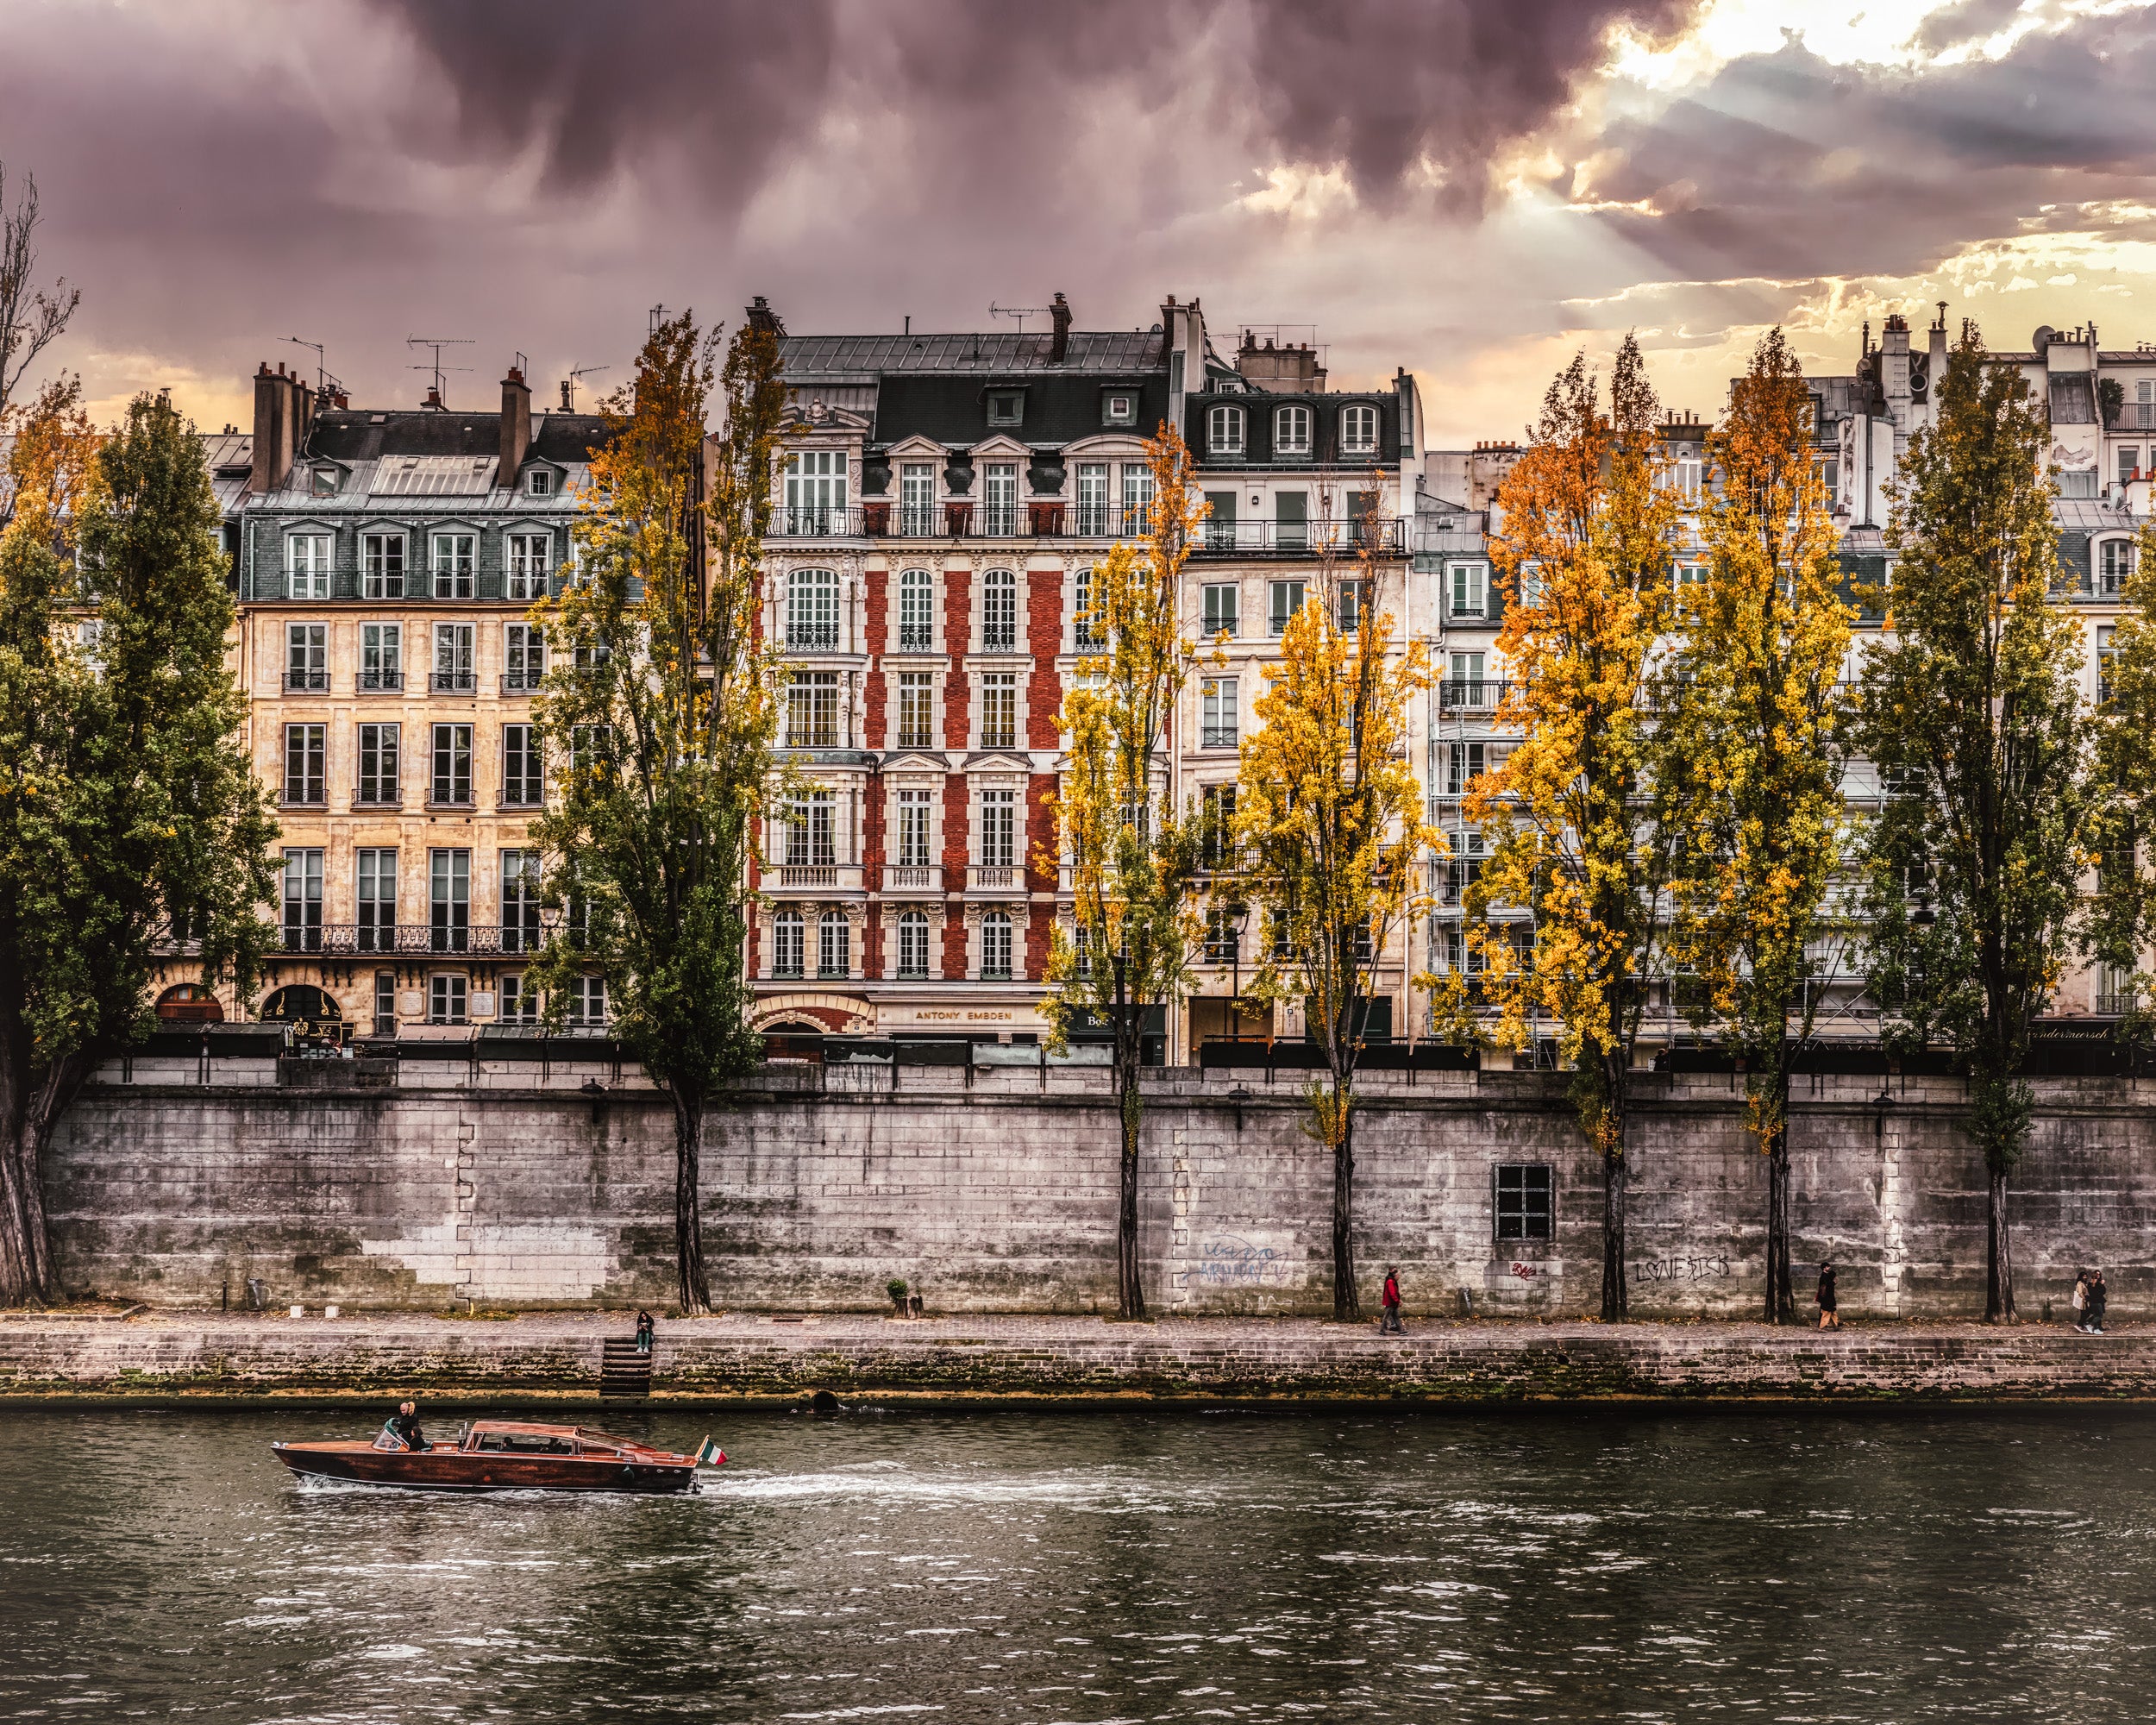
(568, 385)
(1020, 312)
(325, 380)
(438, 342)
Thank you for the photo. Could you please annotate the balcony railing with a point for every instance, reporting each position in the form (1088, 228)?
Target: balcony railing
(999, 636)
(1301, 538)
(522, 683)
(1467, 694)
(316, 681)
(986, 877)
(2117, 1006)
(968, 518)
(379, 682)
(812, 637)
(909, 877)
(346, 939)
(917, 638)
(378, 797)
(2135, 416)
(453, 682)
(834, 877)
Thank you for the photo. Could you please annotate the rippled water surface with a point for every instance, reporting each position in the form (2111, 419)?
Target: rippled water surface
(1545, 1566)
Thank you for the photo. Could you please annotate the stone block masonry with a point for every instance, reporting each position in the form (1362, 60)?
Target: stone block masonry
(992, 1188)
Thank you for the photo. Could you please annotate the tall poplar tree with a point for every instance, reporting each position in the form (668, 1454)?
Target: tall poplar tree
(1330, 837)
(1585, 552)
(1135, 860)
(2122, 920)
(1750, 756)
(660, 708)
(128, 810)
(1972, 711)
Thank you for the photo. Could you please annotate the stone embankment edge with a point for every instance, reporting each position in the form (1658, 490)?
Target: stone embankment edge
(744, 1362)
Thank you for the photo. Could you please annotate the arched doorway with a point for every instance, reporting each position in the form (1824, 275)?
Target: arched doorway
(309, 1011)
(189, 1003)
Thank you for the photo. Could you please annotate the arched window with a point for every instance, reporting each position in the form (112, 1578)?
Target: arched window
(1085, 632)
(786, 944)
(999, 611)
(912, 946)
(834, 944)
(1358, 430)
(812, 611)
(1291, 431)
(995, 945)
(916, 611)
(1224, 431)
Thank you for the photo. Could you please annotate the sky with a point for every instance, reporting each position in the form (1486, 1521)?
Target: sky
(1470, 189)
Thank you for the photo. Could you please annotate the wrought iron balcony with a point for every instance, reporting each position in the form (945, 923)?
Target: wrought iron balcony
(460, 682)
(379, 682)
(525, 682)
(345, 939)
(315, 680)
(1301, 538)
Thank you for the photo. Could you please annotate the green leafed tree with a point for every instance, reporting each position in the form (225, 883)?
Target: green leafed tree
(1134, 860)
(129, 812)
(2122, 921)
(1750, 755)
(660, 711)
(1972, 711)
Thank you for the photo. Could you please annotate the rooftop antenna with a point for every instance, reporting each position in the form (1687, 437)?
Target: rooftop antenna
(322, 370)
(568, 388)
(1020, 312)
(438, 342)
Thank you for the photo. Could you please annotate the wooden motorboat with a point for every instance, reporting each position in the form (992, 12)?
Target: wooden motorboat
(504, 1455)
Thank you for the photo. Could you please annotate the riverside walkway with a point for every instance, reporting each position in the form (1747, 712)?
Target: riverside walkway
(554, 1358)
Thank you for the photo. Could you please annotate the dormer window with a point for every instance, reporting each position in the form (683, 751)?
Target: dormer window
(1119, 407)
(539, 482)
(1006, 407)
(1224, 431)
(1358, 430)
(1291, 431)
(325, 481)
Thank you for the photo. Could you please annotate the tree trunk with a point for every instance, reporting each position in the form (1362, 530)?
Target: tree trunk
(695, 1291)
(1347, 1305)
(1616, 1302)
(1998, 1268)
(1780, 1307)
(1130, 1291)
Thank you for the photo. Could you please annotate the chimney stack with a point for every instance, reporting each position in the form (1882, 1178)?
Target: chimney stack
(274, 429)
(516, 427)
(1059, 344)
(763, 319)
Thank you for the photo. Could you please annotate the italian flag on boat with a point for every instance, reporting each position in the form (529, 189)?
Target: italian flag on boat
(708, 1454)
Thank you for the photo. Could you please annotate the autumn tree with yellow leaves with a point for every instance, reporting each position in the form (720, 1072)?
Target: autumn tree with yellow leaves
(1135, 860)
(1750, 750)
(1972, 711)
(1585, 552)
(1330, 838)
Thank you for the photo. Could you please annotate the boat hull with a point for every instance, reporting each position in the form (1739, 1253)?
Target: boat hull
(445, 1468)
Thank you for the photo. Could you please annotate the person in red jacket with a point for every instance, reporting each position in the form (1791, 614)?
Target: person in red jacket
(1389, 1302)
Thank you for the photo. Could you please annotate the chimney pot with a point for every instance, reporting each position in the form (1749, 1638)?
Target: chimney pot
(515, 428)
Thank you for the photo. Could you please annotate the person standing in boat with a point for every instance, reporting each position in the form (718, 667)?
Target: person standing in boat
(405, 1426)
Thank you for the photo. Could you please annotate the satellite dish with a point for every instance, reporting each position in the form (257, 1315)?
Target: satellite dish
(2043, 338)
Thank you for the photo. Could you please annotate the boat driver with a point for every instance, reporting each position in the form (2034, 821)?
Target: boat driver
(405, 1426)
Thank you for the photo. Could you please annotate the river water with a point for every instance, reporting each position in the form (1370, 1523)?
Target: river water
(1550, 1565)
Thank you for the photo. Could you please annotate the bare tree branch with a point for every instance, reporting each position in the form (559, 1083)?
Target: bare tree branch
(31, 318)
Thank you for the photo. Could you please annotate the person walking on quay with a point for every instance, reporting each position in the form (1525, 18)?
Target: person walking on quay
(2080, 1301)
(1829, 1319)
(644, 1327)
(1389, 1321)
(2098, 1300)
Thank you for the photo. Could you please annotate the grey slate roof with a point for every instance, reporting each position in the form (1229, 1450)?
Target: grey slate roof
(1114, 352)
(355, 435)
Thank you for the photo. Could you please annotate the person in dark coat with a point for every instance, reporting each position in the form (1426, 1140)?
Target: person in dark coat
(1388, 1303)
(405, 1426)
(1829, 1318)
(2098, 1298)
(644, 1327)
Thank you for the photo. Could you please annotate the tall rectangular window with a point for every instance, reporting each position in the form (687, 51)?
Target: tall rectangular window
(811, 837)
(1526, 1201)
(999, 710)
(1221, 609)
(523, 783)
(834, 945)
(1093, 496)
(520, 901)
(916, 710)
(1291, 520)
(452, 779)
(1358, 430)
(2129, 463)
(1469, 589)
(455, 564)
(304, 745)
(307, 565)
(815, 492)
(995, 945)
(1464, 763)
(379, 785)
(1221, 520)
(1087, 627)
(999, 828)
(449, 901)
(587, 1003)
(452, 660)
(916, 611)
(528, 556)
(524, 658)
(307, 656)
(1291, 431)
(519, 1002)
(1217, 726)
(382, 566)
(384, 1003)
(377, 900)
(303, 900)
(1138, 499)
(381, 656)
(999, 499)
(917, 500)
(912, 946)
(812, 611)
(446, 997)
(1350, 605)
(1286, 600)
(913, 821)
(811, 711)
(1217, 805)
(999, 611)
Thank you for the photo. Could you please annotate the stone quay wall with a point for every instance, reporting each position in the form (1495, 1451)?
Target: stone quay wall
(438, 1184)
